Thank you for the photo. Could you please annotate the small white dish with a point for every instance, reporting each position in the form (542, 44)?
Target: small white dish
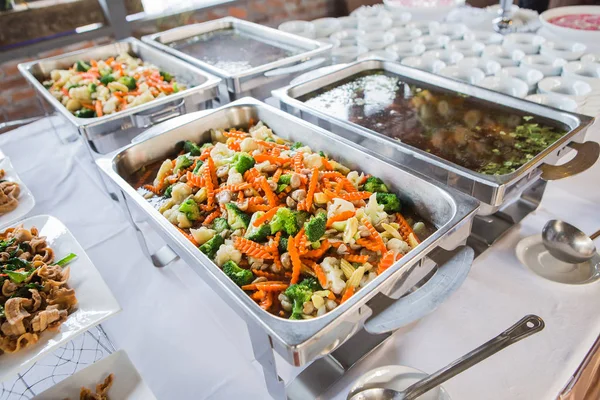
(127, 384)
(397, 377)
(423, 26)
(346, 54)
(326, 26)
(95, 302)
(432, 65)
(565, 86)
(507, 85)
(528, 43)
(467, 47)
(375, 40)
(301, 28)
(432, 42)
(453, 31)
(533, 255)
(503, 55)
(489, 67)
(485, 37)
(405, 34)
(26, 199)
(530, 76)
(405, 49)
(379, 23)
(569, 32)
(347, 37)
(400, 18)
(469, 75)
(567, 50)
(592, 57)
(549, 66)
(589, 72)
(554, 100)
(348, 22)
(450, 57)
(377, 55)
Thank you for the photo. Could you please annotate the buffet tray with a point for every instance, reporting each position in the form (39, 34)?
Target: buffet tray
(299, 342)
(260, 79)
(201, 89)
(494, 191)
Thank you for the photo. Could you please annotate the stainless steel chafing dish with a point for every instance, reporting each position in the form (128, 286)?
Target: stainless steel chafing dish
(113, 131)
(509, 197)
(370, 311)
(257, 81)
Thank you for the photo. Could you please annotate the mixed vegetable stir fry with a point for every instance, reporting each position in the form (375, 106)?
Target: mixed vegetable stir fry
(295, 229)
(97, 88)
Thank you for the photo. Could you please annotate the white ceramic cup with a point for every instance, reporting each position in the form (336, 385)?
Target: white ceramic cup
(347, 37)
(549, 66)
(432, 42)
(449, 57)
(405, 34)
(485, 37)
(453, 31)
(301, 28)
(405, 49)
(570, 51)
(530, 76)
(469, 75)
(468, 48)
(489, 67)
(346, 54)
(423, 26)
(528, 43)
(375, 40)
(432, 65)
(511, 86)
(348, 22)
(591, 57)
(554, 100)
(505, 56)
(326, 26)
(565, 86)
(589, 72)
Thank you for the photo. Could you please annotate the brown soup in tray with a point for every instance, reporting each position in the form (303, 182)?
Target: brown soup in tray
(453, 126)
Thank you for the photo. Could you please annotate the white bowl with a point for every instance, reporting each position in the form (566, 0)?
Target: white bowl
(346, 54)
(405, 34)
(301, 28)
(565, 86)
(549, 66)
(591, 58)
(453, 31)
(347, 37)
(485, 37)
(528, 43)
(432, 65)
(554, 100)
(467, 47)
(505, 56)
(528, 75)
(348, 22)
(567, 50)
(405, 49)
(489, 67)
(570, 33)
(326, 26)
(377, 55)
(375, 40)
(469, 75)
(374, 24)
(433, 41)
(511, 86)
(589, 72)
(423, 26)
(450, 57)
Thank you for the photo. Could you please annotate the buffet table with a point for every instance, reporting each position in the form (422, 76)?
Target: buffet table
(188, 343)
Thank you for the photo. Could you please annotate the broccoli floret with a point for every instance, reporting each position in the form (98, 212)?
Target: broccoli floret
(242, 162)
(182, 162)
(322, 154)
(300, 293)
(197, 167)
(106, 79)
(257, 233)
(190, 209)
(284, 220)
(285, 179)
(105, 71)
(128, 81)
(301, 217)
(374, 184)
(238, 275)
(175, 87)
(82, 66)
(315, 227)
(283, 243)
(166, 76)
(206, 146)
(192, 148)
(296, 145)
(391, 202)
(85, 113)
(236, 218)
(74, 85)
(281, 187)
(210, 248)
(92, 87)
(168, 191)
(220, 224)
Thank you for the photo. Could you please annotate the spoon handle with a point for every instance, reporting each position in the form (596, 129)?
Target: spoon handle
(527, 326)
(595, 235)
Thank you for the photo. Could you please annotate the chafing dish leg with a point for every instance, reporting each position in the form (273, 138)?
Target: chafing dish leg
(111, 194)
(263, 353)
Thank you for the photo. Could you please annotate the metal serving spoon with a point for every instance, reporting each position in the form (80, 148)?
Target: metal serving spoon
(568, 243)
(527, 326)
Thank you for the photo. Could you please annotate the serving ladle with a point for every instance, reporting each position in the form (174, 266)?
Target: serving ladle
(527, 326)
(567, 243)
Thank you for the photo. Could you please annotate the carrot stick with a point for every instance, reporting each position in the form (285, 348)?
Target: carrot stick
(344, 215)
(98, 106)
(273, 286)
(312, 188)
(277, 174)
(326, 163)
(266, 216)
(211, 217)
(318, 253)
(188, 236)
(405, 228)
(375, 235)
(319, 271)
(271, 197)
(356, 258)
(386, 261)
(347, 294)
(298, 162)
(267, 301)
(88, 106)
(295, 257)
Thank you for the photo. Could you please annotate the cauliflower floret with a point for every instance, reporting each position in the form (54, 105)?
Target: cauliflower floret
(304, 149)
(398, 246)
(375, 211)
(261, 133)
(176, 217)
(221, 154)
(260, 167)
(110, 106)
(165, 170)
(203, 234)
(338, 206)
(143, 87)
(102, 93)
(333, 272)
(355, 178)
(313, 161)
(60, 75)
(216, 135)
(180, 192)
(80, 93)
(227, 252)
(142, 98)
(57, 95)
(234, 177)
(367, 278)
(248, 145)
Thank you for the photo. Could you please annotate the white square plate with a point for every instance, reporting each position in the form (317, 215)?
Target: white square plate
(127, 383)
(95, 300)
(26, 200)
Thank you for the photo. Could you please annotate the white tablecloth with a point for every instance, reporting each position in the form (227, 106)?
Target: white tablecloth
(188, 344)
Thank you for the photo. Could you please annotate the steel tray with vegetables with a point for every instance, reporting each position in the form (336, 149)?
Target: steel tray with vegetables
(108, 86)
(296, 230)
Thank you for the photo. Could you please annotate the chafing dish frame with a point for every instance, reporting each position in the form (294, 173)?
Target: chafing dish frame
(257, 81)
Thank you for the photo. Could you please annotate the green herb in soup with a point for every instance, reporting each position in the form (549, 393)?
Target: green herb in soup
(452, 126)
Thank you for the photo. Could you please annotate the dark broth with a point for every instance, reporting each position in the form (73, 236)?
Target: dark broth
(452, 126)
(232, 51)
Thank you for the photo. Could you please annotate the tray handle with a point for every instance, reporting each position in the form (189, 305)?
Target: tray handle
(587, 155)
(147, 120)
(168, 125)
(389, 314)
(296, 68)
